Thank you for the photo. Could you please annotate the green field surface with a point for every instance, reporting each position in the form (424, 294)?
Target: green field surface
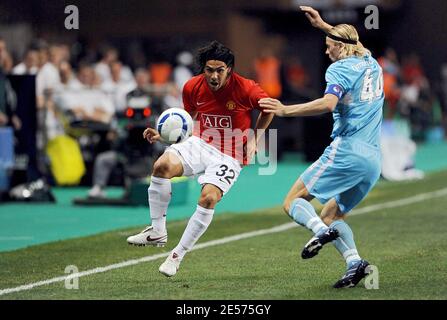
(406, 240)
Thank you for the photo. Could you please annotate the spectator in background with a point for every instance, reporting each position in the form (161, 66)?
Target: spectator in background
(102, 68)
(267, 69)
(47, 82)
(391, 76)
(88, 103)
(106, 161)
(390, 63)
(296, 79)
(9, 119)
(30, 63)
(160, 73)
(416, 96)
(48, 75)
(172, 97)
(136, 56)
(6, 63)
(6, 135)
(163, 89)
(138, 99)
(89, 113)
(8, 100)
(182, 72)
(3, 54)
(68, 78)
(65, 52)
(412, 71)
(117, 87)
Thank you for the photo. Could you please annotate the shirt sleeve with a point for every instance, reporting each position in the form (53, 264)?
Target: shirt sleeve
(256, 93)
(187, 95)
(337, 80)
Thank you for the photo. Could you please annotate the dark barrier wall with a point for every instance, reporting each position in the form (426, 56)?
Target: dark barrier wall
(25, 89)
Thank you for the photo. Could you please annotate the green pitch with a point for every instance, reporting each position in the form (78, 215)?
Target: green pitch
(407, 243)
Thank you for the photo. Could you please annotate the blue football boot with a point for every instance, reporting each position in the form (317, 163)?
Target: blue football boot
(353, 275)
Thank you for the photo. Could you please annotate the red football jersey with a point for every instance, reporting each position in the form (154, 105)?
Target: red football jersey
(223, 117)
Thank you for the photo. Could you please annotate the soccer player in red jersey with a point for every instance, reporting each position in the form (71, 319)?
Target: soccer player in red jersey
(221, 102)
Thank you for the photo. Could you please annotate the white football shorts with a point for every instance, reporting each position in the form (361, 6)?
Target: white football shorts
(212, 166)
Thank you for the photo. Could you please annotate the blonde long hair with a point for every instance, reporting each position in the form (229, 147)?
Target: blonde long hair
(347, 31)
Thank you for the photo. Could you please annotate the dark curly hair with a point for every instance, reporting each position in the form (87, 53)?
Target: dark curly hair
(214, 51)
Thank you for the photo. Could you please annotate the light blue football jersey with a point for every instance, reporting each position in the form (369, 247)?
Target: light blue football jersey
(358, 83)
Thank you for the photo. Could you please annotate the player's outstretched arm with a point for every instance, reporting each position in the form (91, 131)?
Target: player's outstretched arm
(315, 19)
(319, 106)
(262, 123)
(151, 135)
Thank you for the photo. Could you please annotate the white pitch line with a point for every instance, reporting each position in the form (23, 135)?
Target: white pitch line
(280, 228)
(402, 202)
(148, 258)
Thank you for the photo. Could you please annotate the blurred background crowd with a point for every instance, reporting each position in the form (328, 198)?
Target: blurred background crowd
(96, 88)
(85, 98)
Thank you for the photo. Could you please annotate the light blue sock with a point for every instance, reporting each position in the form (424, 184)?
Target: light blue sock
(345, 242)
(304, 214)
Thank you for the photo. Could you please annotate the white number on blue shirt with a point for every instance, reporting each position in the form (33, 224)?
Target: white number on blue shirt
(368, 92)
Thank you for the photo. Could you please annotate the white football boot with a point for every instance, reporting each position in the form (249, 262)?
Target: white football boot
(171, 265)
(149, 237)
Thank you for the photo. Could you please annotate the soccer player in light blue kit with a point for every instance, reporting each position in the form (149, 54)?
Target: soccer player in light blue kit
(350, 166)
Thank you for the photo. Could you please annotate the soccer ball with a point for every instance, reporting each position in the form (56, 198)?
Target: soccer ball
(174, 125)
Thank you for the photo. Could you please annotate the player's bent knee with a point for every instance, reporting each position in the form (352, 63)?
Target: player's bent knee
(286, 206)
(209, 199)
(329, 219)
(288, 202)
(162, 169)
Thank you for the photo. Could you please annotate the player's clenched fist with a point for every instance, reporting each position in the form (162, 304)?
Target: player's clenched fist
(151, 135)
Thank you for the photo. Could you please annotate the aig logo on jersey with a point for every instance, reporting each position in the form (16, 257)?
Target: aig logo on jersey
(231, 105)
(215, 121)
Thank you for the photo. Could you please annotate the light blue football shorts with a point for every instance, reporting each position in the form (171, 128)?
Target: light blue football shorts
(347, 171)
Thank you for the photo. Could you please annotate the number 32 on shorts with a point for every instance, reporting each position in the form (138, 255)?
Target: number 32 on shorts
(226, 174)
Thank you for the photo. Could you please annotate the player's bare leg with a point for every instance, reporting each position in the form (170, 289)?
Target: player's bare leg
(159, 194)
(210, 196)
(168, 166)
(197, 225)
(331, 212)
(298, 190)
